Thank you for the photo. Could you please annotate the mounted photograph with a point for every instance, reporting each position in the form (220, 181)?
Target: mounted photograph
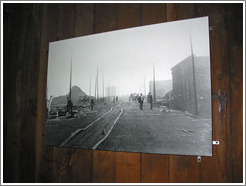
(145, 89)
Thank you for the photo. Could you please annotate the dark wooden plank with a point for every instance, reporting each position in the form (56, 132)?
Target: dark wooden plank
(234, 27)
(48, 34)
(66, 21)
(11, 22)
(184, 169)
(153, 13)
(81, 166)
(84, 23)
(128, 15)
(57, 164)
(154, 168)
(127, 167)
(21, 90)
(105, 17)
(218, 168)
(41, 96)
(179, 11)
(104, 168)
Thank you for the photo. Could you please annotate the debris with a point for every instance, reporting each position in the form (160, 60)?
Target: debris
(184, 130)
(189, 114)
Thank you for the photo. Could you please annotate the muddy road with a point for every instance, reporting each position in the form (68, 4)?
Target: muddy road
(124, 127)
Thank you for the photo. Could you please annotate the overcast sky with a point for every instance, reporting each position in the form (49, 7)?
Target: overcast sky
(125, 57)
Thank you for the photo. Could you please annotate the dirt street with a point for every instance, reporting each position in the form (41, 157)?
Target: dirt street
(157, 130)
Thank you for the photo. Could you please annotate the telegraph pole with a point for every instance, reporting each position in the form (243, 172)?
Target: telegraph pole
(90, 88)
(95, 90)
(194, 78)
(97, 84)
(144, 87)
(154, 94)
(70, 87)
(103, 87)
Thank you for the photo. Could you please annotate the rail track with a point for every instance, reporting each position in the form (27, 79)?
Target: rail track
(96, 132)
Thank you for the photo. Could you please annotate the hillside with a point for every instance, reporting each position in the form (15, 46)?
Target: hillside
(76, 94)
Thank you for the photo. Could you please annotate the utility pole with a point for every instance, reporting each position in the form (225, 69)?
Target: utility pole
(194, 78)
(90, 88)
(154, 94)
(144, 87)
(70, 87)
(95, 90)
(103, 87)
(108, 91)
(97, 84)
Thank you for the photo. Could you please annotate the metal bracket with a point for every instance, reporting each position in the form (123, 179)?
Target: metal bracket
(199, 159)
(212, 27)
(216, 142)
(222, 98)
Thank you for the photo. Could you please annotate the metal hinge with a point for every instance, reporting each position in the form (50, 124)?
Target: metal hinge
(212, 27)
(222, 98)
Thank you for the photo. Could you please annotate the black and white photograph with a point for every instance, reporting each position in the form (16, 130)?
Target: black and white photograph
(145, 89)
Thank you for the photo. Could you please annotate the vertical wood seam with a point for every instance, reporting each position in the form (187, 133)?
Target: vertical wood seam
(230, 98)
(92, 166)
(169, 169)
(165, 14)
(227, 109)
(95, 17)
(141, 168)
(38, 134)
(141, 14)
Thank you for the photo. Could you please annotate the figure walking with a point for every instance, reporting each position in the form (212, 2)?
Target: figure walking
(141, 100)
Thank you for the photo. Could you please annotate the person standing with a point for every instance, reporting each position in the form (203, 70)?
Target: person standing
(150, 99)
(69, 106)
(141, 100)
(92, 104)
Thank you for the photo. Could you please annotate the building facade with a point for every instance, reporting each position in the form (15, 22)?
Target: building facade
(192, 86)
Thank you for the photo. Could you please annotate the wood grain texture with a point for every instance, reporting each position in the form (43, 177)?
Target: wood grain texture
(234, 27)
(104, 168)
(21, 90)
(124, 11)
(81, 166)
(153, 13)
(66, 21)
(155, 168)
(184, 169)
(127, 167)
(105, 17)
(211, 169)
(84, 19)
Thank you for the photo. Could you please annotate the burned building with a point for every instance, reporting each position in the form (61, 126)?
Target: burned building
(192, 86)
(162, 87)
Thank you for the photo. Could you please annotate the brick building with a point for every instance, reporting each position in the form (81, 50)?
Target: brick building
(192, 86)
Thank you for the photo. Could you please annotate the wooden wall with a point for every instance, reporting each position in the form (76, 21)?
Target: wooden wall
(28, 28)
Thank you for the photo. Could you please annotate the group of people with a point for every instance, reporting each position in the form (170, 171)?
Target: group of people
(141, 100)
